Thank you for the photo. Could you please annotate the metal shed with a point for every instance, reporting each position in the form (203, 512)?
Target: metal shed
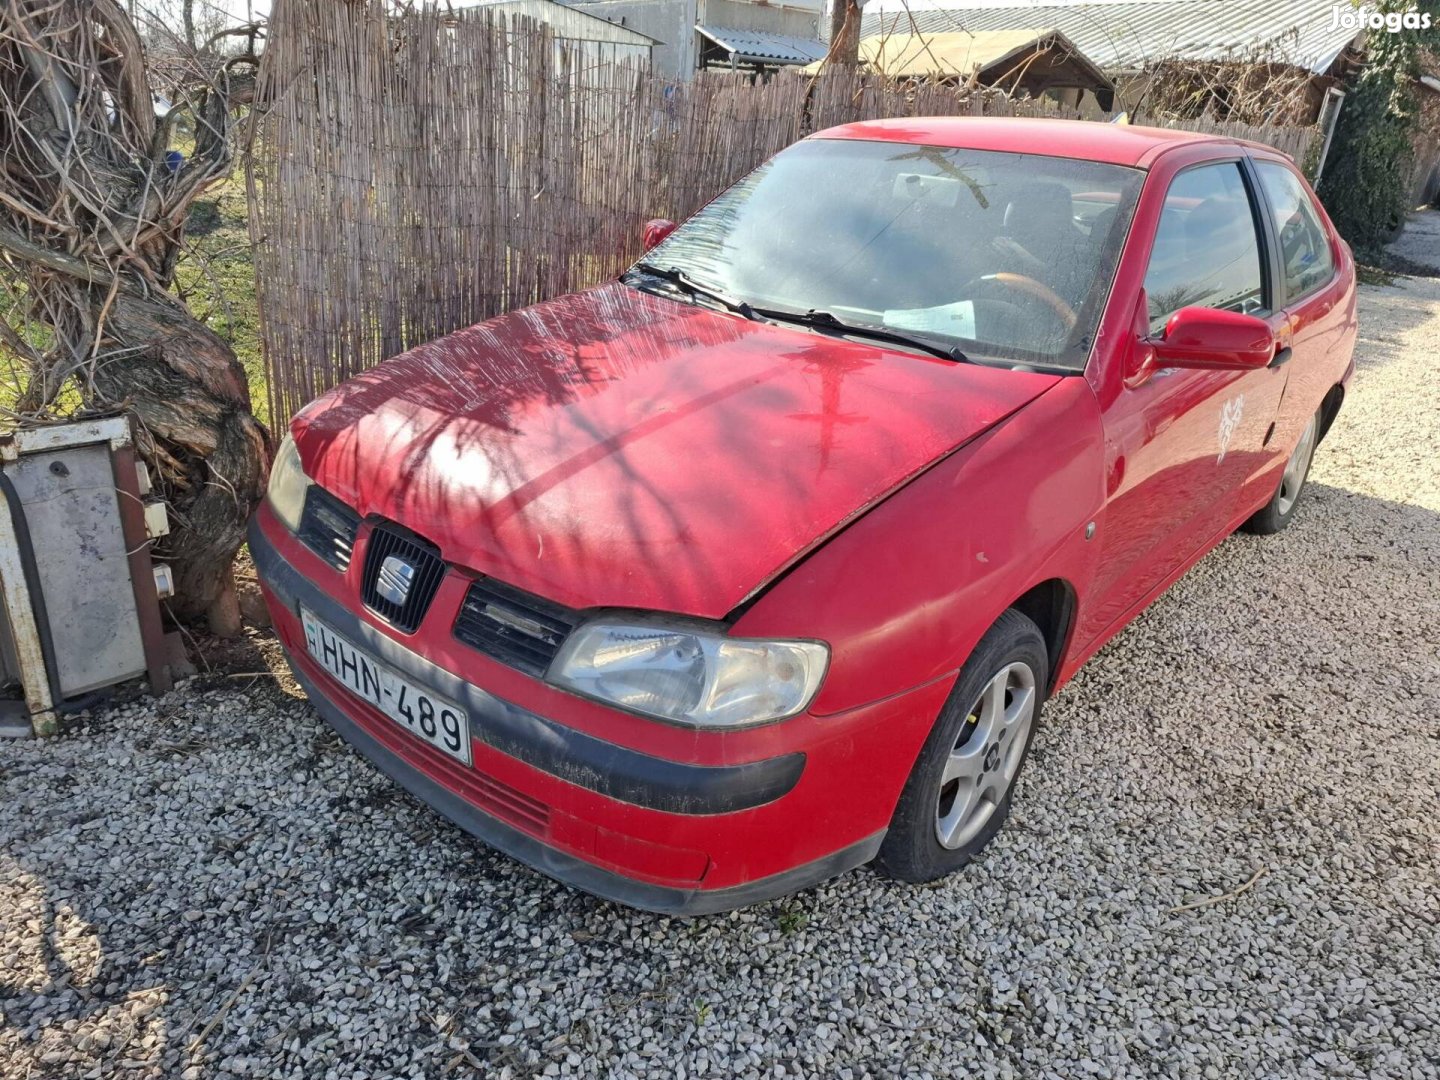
(595, 37)
(1122, 37)
(724, 47)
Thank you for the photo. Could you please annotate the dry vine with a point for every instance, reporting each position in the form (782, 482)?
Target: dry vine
(91, 224)
(1250, 92)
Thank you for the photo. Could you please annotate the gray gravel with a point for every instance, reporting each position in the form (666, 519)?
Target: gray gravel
(213, 885)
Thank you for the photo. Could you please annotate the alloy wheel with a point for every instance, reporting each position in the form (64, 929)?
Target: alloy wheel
(982, 765)
(1297, 468)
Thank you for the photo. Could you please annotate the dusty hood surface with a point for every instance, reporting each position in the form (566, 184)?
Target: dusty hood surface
(617, 448)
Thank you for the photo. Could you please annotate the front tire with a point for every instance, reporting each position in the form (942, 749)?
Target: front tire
(1276, 514)
(958, 795)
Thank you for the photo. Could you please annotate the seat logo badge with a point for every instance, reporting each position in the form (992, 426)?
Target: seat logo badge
(1230, 414)
(396, 577)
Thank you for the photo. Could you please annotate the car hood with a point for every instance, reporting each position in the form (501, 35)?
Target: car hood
(616, 448)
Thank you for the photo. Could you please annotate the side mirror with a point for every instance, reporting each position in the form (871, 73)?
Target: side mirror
(1198, 337)
(656, 230)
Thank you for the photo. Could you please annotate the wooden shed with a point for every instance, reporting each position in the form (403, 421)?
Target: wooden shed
(1037, 62)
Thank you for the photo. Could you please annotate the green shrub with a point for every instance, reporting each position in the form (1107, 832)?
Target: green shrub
(1366, 185)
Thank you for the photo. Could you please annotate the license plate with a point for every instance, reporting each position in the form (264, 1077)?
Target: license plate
(435, 720)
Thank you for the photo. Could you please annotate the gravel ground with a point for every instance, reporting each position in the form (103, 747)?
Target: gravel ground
(1419, 241)
(213, 885)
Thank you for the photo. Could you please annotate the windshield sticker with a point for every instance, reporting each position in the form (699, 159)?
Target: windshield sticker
(953, 320)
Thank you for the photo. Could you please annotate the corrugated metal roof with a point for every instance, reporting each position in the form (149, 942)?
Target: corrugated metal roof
(1122, 35)
(574, 24)
(759, 47)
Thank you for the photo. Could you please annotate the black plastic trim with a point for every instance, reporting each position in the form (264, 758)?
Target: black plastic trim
(424, 560)
(1282, 289)
(608, 769)
(1269, 240)
(1331, 411)
(513, 645)
(336, 546)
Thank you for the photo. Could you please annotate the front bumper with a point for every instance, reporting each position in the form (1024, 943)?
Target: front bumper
(645, 830)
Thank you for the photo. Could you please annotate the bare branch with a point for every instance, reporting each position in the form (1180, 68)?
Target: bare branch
(91, 226)
(54, 260)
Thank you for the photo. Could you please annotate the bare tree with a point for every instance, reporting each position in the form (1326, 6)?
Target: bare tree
(199, 20)
(845, 33)
(92, 212)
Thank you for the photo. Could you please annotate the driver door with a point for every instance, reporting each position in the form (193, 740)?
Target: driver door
(1180, 443)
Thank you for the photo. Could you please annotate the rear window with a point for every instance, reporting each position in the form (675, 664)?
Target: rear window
(1304, 246)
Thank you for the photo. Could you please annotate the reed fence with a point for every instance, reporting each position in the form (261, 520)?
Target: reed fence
(1297, 143)
(417, 174)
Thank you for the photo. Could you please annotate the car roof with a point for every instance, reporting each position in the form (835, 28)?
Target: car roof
(1086, 140)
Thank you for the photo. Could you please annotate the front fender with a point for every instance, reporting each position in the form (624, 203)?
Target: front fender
(905, 592)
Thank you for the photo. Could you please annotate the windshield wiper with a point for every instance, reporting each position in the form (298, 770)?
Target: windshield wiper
(690, 287)
(825, 320)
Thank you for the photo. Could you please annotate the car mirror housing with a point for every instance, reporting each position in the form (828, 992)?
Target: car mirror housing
(657, 229)
(1199, 337)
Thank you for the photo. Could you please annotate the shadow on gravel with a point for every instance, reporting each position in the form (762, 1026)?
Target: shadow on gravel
(1278, 633)
(214, 881)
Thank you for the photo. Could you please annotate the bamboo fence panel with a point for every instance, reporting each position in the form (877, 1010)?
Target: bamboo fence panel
(416, 174)
(1295, 142)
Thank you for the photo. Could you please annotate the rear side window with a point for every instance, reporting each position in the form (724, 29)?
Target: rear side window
(1206, 252)
(1304, 247)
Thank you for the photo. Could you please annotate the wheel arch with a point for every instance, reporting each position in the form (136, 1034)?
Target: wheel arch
(1050, 605)
(1329, 409)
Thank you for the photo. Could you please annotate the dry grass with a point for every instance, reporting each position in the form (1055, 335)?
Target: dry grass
(215, 276)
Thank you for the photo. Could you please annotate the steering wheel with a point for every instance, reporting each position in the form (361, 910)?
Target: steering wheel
(1029, 286)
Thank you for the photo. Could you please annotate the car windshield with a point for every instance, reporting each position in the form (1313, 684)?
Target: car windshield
(1004, 257)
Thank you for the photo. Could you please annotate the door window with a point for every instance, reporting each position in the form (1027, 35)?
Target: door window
(1206, 253)
(1304, 246)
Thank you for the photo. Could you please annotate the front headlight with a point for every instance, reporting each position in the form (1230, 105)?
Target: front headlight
(689, 672)
(288, 485)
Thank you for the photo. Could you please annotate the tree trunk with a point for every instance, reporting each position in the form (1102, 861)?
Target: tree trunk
(187, 20)
(845, 33)
(91, 222)
(189, 393)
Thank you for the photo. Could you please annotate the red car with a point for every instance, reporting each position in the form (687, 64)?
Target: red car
(757, 564)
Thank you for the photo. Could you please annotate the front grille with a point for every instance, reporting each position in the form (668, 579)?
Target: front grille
(422, 558)
(327, 527)
(515, 627)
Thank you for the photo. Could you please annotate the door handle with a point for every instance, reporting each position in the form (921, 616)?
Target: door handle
(1281, 358)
